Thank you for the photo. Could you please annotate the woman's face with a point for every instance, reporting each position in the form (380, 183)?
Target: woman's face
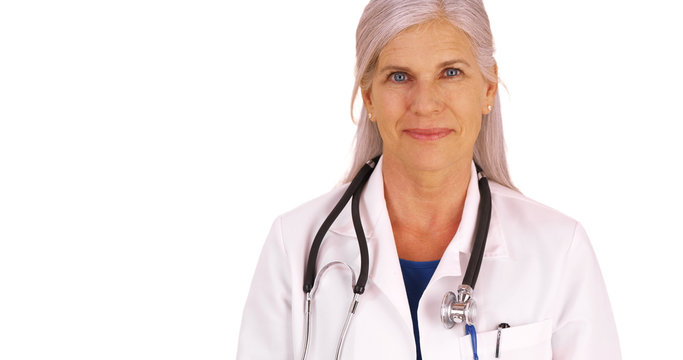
(428, 95)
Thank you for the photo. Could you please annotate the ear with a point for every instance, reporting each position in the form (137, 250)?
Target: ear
(491, 91)
(367, 101)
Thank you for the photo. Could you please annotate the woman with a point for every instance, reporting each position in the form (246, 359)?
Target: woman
(428, 81)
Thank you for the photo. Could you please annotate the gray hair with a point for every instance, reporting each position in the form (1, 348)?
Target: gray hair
(381, 21)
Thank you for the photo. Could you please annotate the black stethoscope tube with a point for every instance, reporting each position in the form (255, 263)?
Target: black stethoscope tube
(481, 231)
(362, 243)
(354, 190)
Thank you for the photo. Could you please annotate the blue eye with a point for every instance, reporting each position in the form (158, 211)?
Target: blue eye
(452, 72)
(399, 76)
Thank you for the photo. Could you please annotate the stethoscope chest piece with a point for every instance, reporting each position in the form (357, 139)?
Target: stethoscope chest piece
(458, 308)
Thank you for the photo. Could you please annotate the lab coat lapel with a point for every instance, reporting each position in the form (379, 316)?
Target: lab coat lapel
(385, 270)
(463, 240)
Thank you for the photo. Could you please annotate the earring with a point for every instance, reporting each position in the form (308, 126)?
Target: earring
(490, 108)
(370, 116)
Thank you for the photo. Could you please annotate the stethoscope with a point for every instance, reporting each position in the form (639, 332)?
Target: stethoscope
(456, 307)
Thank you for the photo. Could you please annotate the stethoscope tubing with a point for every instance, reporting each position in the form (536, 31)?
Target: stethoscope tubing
(359, 288)
(481, 231)
(353, 193)
(309, 309)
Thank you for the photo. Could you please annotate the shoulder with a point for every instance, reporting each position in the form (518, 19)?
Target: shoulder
(304, 220)
(510, 199)
(532, 222)
(316, 207)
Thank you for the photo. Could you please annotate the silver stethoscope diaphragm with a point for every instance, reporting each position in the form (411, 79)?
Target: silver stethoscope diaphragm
(458, 308)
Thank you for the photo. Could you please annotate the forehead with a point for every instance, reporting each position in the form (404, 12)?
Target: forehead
(434, 40)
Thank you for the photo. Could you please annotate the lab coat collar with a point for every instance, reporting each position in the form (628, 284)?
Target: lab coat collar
(377, 224)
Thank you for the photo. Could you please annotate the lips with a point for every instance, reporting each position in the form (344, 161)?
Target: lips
(428, 134)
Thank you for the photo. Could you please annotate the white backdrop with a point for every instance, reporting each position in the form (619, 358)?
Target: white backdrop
(146, 147)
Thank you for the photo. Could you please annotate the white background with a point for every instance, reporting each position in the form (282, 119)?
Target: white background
(146, 147)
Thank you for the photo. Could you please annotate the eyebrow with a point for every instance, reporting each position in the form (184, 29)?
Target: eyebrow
(445, 63)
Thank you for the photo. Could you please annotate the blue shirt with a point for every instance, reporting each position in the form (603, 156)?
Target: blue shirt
(416, 276)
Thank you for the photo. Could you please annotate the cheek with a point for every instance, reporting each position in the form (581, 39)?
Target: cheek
(465, 104)
(471, 89)
(390, 105)
(389, 109)
(465, 108)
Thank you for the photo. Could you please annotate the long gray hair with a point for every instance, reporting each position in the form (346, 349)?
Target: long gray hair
(381, 21)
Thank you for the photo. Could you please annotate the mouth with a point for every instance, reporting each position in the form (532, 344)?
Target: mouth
(428, 134)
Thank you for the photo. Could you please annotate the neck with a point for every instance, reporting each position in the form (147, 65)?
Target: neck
(425, 206)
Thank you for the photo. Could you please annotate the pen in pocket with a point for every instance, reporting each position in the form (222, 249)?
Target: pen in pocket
(500, 327)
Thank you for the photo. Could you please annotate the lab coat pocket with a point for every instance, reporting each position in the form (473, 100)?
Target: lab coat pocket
(531, 341)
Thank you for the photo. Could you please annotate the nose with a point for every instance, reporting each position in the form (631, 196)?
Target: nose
(426, 99)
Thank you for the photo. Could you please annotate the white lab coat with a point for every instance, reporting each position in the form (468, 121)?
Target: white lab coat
(539, 275)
